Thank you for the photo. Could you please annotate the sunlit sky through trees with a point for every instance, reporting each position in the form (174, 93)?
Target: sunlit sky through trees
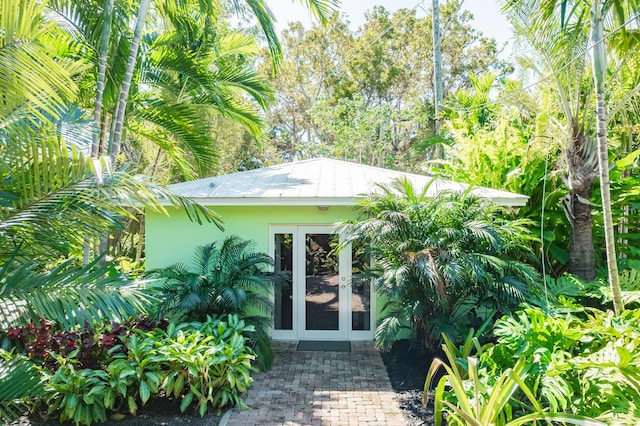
(487, 17)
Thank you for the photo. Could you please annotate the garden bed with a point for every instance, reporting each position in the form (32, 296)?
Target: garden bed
(407, 367)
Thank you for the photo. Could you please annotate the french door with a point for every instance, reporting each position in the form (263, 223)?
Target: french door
(325, 297)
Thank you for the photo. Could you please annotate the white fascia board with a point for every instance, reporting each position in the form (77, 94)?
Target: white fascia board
(272, 201)
(314, 201)
(510, 202)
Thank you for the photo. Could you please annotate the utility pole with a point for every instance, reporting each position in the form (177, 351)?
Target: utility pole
(437, 75)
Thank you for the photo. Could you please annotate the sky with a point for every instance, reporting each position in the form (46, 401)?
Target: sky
(487, 17)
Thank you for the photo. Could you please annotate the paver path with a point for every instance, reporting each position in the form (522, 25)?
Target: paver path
(322, 388)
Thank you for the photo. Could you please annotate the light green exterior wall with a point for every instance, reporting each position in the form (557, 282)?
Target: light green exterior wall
(171, 239)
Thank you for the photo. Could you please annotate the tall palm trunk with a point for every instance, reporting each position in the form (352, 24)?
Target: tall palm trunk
(599, 75)
(437, 76)
(581, 251)
(102, 75)
(126, 83)
(581, 174)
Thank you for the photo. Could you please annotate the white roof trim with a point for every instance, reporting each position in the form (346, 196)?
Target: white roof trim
(254, 201)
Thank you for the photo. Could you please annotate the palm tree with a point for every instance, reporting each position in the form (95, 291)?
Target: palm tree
(50, 195)
(228, 279)
(552, 46)
(174, 78)
(440, 261)
(591, 14)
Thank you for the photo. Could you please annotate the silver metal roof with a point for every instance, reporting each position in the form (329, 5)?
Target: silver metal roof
(320, 181)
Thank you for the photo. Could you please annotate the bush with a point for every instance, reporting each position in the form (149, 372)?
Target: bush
(445, 264)
(206, 364)
(227, 278)
(40, 340)
(582, 368)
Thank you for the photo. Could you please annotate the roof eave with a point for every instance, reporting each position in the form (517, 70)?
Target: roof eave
(272, 201)
(316, 201)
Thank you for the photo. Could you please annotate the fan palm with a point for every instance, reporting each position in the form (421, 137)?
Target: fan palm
(228, 278)
(441, 261)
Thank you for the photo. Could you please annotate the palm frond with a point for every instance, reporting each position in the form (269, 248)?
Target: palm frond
(56, 197)
(186, 122)
(226, 278)
(19, 381)
(24, 63)
(431, 253)
(68, 295)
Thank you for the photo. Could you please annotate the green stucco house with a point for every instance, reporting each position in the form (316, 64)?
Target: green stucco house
(289, 211)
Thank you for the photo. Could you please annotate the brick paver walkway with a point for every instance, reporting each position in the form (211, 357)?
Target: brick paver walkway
(322, 388)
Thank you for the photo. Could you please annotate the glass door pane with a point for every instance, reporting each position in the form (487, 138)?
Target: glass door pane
(283, 292)
(322, 287)
(360, 289)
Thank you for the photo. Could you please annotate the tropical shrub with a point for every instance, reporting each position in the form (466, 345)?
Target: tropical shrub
(571, 292)
(76, 394)
(92, 345)
(585, 368)
(227, 278)
(445, 264)
(207, 364)
(475, 398)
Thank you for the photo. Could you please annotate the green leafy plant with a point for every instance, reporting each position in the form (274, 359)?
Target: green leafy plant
(227, 278)
(134, 374)
(584, 365)
(208, 364)
(479, 399)
(78, 395)
(446, 264)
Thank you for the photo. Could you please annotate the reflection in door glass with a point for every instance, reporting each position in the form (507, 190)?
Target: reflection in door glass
(283, 257)
(360, 288)
(322, 282)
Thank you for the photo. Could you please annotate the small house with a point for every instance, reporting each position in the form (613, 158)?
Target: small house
(289, 210)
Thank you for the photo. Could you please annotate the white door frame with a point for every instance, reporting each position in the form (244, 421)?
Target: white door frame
(343, 277)
(299, 331)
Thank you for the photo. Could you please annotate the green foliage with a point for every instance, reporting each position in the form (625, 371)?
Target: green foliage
(497, 144)
(205, 364)
(362, 133)
(340, 88)
(587, 367)
(475, 398)
(67, 294)
(444, 263)
(26, 384)
(227, 278)
(573, 293)
(77, 395)
(203, 371)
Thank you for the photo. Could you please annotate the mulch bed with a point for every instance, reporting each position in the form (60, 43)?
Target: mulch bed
(407, 367)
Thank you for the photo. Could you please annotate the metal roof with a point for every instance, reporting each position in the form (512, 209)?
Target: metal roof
(319, 181)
